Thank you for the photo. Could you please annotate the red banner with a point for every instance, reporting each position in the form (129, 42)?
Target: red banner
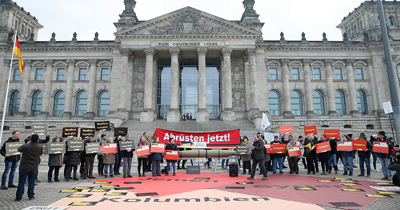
(110, 148)
(294, 151)
(335, 133)
(310, 130)
(323, 147)
(268, 147)
(171, 155)
(286, 129)
(224, 139)
(157, 148)
(142, 150)
(344, 146)
(380, 147)
(360, 145)
(278, 148)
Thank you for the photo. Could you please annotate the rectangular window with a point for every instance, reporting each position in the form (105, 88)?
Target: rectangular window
(317, 74)
(338, 74)
(82, 73)
(104, 73)
(295, 74)
(60, 74)
(273, 74)
(359, 74)
(39, 74)
(16, 75)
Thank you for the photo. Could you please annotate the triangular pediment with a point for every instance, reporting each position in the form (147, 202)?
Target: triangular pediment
(188, 22)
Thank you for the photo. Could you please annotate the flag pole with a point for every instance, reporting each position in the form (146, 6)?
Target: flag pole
(8, 87)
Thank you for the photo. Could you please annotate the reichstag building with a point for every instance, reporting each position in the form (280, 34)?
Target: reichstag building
(192, 63)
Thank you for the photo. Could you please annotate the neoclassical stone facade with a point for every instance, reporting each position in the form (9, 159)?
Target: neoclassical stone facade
(189, 62)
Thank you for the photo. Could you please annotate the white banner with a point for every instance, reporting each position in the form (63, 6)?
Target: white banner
(387, 106)
(270, 136)
(265, 124)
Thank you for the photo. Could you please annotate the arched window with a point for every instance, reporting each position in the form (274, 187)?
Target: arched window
(36, 107)
(103, 104)
(59, 101)
(362, 103)
(14, 103)
(274, 100)
(391, 21)
(340, 100)
(297, 102)
(318, 100)
(81, 103)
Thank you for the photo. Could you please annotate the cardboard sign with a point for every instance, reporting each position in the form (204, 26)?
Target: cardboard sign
(12, 148)
(142, 150)
(55, 147)
(344, 146)
(242, 149)
(102, 125)
(44, 145)
(157, 148)
(39, 129)
(332, 133)
(286, 129)
(323, 147)
(91, 148)
(310, 130)
(193, 170)
(294, 151)
(278, 148)
(171, 155)
(360, 145)
(380, 147)
(268, 147)
(110, 148)
(270, 136)
(85, 132)
(76, 145)
(70, 132)
(126, 145)
(120, 132)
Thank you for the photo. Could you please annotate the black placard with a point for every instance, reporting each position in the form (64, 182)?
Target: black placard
(55, 147)
(132, 182)
(76, 145)
(124, 188)
(85, 132)
(79, 195)
(125, 145)
(120, 132)
(83, 188)
(146, 194)
(12, 148)
(102, 125)
(235, 188)
(193, 170)
(242, 149)
(91, 148)
(44, 145)
(70, 132)
(115, 194)
(39, 129)
(305, 188)
(109, 186)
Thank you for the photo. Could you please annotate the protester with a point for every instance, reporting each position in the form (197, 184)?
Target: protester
(276, 158)
(55, 163)
(332, 160)
(148, 140)
(293, 161)
(127, 156)
(324, 157)
(395, 166)
(347, 157)
(310, 153)
(156, 160)
(207, 164)
(118, 156)
(171, 146)
(10, 162)
(89, 160)
(385, 158)
(303, 159)
(31, 153)
(267, 159)
(246, 158)
(374, 154)
(72, 162)
(142, 159)
(258, 157)
(102, 138)
(365, 156)
(109, 161)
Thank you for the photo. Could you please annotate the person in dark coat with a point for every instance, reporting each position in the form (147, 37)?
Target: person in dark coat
(374, 154)
(310, 153)
(385, 157)
(347, 157)
(365, 157)
(156, 160)
(55, 163)
(333, 159)
(10, 162)
(277, 158)
(72, 162)
(89, 160)
(142, 160)
(258, 157)
(127, 157)
(395, 166)
(246, 158)
(31, 153)
(324, 157)
(102, 139)
(118, 156)
(171, 146)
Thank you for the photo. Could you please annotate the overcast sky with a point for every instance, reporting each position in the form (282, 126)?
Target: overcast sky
(85, 17)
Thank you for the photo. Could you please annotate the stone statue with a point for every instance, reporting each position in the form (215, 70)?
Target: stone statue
(366, 36)
(11, 36)
(345, 37)
(32, 37)
(53, 37)
(324, 37)
(303, 37)
(96, 36)
(74, 36)
(130, 5)
(249, 5)
(282, 36)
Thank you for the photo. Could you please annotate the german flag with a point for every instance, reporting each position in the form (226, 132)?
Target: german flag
(17, 51)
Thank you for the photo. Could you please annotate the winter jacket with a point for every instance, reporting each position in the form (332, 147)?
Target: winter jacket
(389, 154)
(156, 156)
(347, 153)
(258, 151)
(171, 146)
(12, 158)
(276, 155)
(246, 157)
(117, 141)
(295, 144)
(125, 153)
(72, 157)
(30, 156)
(395, 166)
(333, 144)
(308, 153)
(109, 159)
(139, 145)
(267, 157)
(55, 159)
(41, 141)
(366, 154)
(324, 155)
(84, 152)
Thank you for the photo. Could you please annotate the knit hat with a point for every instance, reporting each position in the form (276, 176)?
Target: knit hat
(362, 135)
(382, 133)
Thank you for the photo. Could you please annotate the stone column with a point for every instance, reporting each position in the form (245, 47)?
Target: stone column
(254, 110)
(202, 113)
(148, 114)
(173, 114)
(308, 89)
(287, 105)
(70, 88)
(92, 90)
(373, 87)
(125, 53)
(47, 87)
(23, 105)
(329, 88)
(227, 114)
(352, 90)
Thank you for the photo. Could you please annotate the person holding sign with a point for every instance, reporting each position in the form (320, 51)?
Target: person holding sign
(171, 146)
(310, 153)
(89, 160)
(347, 157)
(108, 161)
(384, 157)
(72, 162)
(276, 158)
(127, 156)
(258, 157)
(333, 160)
(293, 160)
(142, 160)
(365, 156)
(156, 160)
(55, 163)
(246, 158)
(324, 156)
(10, 162)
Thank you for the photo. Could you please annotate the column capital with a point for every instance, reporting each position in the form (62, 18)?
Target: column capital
(328, 62)
(307, 62)
(226, 51)
(202, 51)
(150, 51)
(285, 62)
(174, 51)
(349, 62)
(251, 51)
(125, 52)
